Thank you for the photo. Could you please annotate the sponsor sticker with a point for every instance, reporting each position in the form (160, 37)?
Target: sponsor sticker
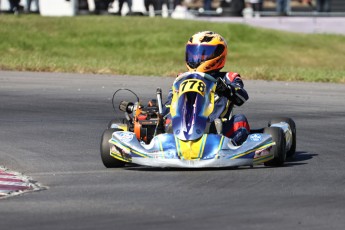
(170, 154)
(126, 136)
(255, 137)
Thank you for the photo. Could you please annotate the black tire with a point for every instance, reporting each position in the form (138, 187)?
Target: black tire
(111, 122)
(278, 150)
(291, 152)
(109, 161)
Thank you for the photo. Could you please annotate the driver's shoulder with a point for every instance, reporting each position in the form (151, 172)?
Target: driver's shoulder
(230, 76)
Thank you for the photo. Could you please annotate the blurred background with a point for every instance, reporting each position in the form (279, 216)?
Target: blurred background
(177, 8)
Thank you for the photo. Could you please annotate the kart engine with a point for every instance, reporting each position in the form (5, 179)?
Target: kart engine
(143, 121)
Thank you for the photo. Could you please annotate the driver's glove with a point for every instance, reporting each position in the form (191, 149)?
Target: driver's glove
(223, 89)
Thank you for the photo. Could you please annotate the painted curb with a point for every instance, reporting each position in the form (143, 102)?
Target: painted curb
(14, 183)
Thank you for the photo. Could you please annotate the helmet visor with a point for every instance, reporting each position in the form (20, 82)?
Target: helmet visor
(198, 53)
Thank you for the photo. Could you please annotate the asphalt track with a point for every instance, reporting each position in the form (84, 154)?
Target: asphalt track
(50, 129)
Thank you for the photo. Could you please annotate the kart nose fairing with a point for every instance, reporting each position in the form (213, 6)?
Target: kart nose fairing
(211, 150)
(192, 103)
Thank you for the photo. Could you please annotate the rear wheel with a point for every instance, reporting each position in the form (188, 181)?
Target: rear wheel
(291, 152)
(278, 149)
(111, 123)
(109, 161)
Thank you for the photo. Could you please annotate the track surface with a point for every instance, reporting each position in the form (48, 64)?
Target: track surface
(50, 128)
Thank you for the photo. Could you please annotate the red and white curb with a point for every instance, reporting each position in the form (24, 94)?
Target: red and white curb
(14, 183)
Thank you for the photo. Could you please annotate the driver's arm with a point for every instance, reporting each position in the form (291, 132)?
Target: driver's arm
(239, 94)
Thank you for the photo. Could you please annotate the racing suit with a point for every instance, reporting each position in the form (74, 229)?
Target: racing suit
(232, 93)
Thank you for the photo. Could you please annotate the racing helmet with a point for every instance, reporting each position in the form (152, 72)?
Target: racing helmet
(206, 52)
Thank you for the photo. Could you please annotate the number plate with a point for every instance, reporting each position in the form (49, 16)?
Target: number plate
(192, 85)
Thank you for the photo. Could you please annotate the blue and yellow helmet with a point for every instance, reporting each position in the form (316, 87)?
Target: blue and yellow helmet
(206, 52)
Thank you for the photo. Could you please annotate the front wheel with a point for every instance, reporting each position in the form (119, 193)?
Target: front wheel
(278, 149)
(109, 161)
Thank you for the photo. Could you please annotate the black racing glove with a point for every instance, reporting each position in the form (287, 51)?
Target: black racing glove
(223, 89)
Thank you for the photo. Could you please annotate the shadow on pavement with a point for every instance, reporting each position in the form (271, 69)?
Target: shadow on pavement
(299, 159)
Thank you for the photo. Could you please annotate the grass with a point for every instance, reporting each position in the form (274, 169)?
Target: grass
(155, 46)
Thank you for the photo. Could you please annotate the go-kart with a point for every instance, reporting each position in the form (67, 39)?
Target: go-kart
(186, 137)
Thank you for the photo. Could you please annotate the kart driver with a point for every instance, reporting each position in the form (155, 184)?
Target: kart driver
(206, 52)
